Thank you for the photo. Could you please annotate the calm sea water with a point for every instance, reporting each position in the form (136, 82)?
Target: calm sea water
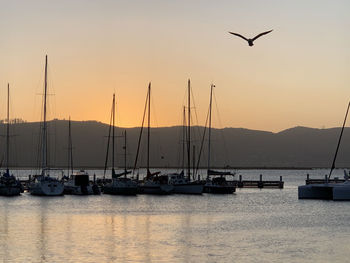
(252, 225)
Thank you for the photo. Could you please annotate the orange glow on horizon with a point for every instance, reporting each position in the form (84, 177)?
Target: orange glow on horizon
(292, 77)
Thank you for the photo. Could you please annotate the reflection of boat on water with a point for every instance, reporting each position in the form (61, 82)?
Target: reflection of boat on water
(77, 183)
(43, 184)
(328, 191)
(216, 182)
(153, 183)
(9, 185)
(120, 184)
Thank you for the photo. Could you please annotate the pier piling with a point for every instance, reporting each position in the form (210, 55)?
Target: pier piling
(240, 183)
(322, 181)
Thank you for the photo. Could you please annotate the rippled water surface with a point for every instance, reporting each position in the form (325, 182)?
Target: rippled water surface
(252, 225)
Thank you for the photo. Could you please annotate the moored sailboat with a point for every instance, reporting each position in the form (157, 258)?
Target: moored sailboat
(9, 185)
(329, 191)
(120, 184)
(77, 183)
(216, 182)
(153, 183)
(183, 184)
(44, 184)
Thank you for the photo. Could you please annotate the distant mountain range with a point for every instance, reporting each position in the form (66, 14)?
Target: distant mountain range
(298, 147)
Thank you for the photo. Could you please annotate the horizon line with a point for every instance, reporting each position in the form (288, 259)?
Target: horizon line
(154, 127)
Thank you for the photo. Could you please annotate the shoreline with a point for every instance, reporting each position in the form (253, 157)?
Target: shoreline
(220, 168)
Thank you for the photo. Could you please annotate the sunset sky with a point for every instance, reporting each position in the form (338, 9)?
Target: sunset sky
(297, 75)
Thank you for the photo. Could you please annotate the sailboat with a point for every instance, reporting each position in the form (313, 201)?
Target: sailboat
(121, 184)
(153, 183)
(183, 184)
(77, 183)
(329, 191)
(216, 182)
(9, 185)
(43, 184)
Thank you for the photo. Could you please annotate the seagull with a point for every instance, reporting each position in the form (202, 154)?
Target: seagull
(250, 40)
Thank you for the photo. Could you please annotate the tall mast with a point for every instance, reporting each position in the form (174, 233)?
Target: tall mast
(183, 139)
(8, 130)
(108, 142)
(209, 134)
(125, 170)
(193, 162)
(141, 131)
(113, 131)
(149, 123)
(44, 150)
(340, 136)
(189, 132)
(70, 148)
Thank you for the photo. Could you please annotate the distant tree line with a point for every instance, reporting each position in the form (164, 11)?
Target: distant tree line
(13, 121)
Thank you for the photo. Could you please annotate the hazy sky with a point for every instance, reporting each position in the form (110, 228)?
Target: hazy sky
(297, 75)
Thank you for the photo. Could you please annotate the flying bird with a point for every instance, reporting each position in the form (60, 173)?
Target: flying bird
(251, 40)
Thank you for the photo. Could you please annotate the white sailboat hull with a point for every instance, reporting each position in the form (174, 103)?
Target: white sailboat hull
(46, 188)
(336, 192)
(183, 185)
(342, 192)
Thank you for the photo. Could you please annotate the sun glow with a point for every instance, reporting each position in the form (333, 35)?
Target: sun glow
(285, 80)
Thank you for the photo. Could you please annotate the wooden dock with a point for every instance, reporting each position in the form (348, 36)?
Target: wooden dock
(279, 184)
(336, 180)
(257, 183)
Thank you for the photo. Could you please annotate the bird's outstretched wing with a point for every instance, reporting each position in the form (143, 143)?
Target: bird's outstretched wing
(261, 34)
(238, 35)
